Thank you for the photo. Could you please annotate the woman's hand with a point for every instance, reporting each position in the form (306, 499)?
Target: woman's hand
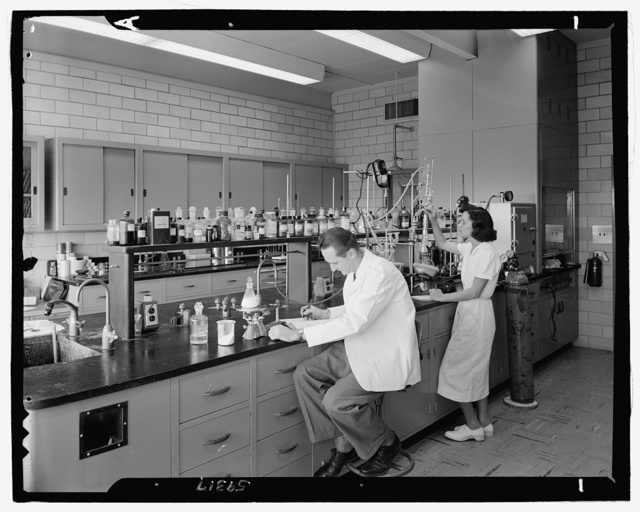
(436, 294)
(313, 313)
(283, 332)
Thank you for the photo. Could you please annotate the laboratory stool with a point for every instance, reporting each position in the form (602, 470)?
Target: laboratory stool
(403, 463)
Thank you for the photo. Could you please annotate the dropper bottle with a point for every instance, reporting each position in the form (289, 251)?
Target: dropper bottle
(198, 326)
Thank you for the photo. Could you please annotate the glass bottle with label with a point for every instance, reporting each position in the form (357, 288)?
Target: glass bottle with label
(173, 231)
(261, 226)
(198, 326)
(299, 226)
(282, 227)
(112, 233)
(224, 226)
(404, 219)
(345, 220)
(126, 228)
(331, 222)
(272, 225)
(141, 232)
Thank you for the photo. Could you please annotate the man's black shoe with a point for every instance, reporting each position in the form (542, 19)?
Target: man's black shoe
(380, 463)
(336, 462)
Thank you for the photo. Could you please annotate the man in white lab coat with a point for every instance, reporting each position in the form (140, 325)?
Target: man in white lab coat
(372, 349)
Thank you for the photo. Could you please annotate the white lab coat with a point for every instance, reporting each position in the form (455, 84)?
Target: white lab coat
(377, 323)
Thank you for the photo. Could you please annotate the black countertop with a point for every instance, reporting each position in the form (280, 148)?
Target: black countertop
(157, 355)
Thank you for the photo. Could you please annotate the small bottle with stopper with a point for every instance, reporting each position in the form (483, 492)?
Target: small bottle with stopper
(249, 299)
(198, 326)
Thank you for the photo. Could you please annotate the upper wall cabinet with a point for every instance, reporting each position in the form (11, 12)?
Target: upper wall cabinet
(88, 182)
(317, 186)
(33, 182)
(173, 178)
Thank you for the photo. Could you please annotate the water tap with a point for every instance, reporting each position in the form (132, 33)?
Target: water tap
(75, 325)
(108, 334)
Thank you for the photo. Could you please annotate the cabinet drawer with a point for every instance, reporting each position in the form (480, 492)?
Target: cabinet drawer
(281, 449)
(187, 287)
(441, 320)
(301, 467)
(275, 371)
(278, 413)
(229, 281)
(234, 465)
(213, 439)
(147, 287)
(212, 391)
(93, 299)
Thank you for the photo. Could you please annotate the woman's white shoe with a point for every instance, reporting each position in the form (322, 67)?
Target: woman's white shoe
(488, 430)
(464, 433)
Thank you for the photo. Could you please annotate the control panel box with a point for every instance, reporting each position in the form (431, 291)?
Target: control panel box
(516, 227)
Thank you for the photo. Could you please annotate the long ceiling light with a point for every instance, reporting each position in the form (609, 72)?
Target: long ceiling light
(373, 44)
(134, 37)
(526, 32)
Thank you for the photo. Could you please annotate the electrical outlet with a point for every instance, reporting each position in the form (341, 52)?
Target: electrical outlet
(602, 234)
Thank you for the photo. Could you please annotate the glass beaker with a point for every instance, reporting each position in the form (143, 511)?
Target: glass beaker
(226, 332)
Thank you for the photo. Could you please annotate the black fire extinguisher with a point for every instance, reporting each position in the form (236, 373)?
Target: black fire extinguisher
(593, 271)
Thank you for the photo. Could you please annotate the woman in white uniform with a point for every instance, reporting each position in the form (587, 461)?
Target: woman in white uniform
(464, 372)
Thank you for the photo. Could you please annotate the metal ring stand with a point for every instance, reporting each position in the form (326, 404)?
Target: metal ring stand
(401, 465)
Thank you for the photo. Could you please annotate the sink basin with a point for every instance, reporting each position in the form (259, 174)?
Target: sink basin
(38, 346)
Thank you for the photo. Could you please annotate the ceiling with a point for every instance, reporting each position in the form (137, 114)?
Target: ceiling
(346, 66)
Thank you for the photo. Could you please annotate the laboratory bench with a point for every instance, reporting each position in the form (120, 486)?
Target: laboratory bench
(156, 406)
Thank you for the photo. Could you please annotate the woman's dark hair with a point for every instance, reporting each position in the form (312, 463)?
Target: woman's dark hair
(482, 223)
(340, 239)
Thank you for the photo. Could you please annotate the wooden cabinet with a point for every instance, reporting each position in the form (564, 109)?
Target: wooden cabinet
(88, 182)
(33, 183)
(246, 183)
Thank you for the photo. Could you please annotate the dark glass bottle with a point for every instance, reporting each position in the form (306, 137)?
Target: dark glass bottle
(126, 226)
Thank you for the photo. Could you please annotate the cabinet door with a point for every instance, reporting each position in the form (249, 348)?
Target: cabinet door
(275, 185)
(441, 405)
(406, 412)
(119, 182)
(164, 180)
(82, 185)
(205, 182)
(246, 181)
(308, 186)
(332, 188)
(33, 182)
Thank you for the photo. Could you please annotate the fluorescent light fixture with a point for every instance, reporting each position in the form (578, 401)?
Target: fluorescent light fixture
(525, 32)
(373, 44)
(134, 37)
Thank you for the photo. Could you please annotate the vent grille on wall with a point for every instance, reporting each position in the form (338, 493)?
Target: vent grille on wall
(561, 51)
(406, 108)
(561, 110)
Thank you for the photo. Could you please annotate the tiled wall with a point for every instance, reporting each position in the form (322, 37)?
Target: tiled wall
(595, 189)
(73, 98)
(362, 134)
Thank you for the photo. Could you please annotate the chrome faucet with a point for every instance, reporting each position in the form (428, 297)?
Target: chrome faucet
(108, 334)
(75, 326)
(275, 277)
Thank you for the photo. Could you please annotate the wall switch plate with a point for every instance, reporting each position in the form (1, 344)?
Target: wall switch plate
(602, 234)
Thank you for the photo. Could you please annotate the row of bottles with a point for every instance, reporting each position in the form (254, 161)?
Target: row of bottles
(228, 225)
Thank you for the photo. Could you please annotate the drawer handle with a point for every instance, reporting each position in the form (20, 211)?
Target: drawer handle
(143, 291)
(219, 440)
(285, 370)
(232, 281)
(189, 286)
(288, 449)
(217, 391)
(101, 297)
(291, 410)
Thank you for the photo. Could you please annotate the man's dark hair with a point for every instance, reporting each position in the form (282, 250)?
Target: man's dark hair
(340, 239)
(482, 223)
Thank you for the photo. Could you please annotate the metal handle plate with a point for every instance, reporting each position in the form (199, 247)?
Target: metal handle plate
(285, 370)
(288, 449)
(288, 412)
(218, 440)
(217, 391)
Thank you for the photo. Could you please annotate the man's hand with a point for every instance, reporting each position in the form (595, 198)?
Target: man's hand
(436, 295)
(313, 313)
(283, 332)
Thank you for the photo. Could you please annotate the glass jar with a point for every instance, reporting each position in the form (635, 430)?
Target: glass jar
(198, 326)
(323, 225)
(261, 226)
(345, 220)
(126, 228)
(308, 226)
(224, 226)
(331, 222)
(404, 219)
(299, 226)
(283, 228)
(112, 233)
(272, 225)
